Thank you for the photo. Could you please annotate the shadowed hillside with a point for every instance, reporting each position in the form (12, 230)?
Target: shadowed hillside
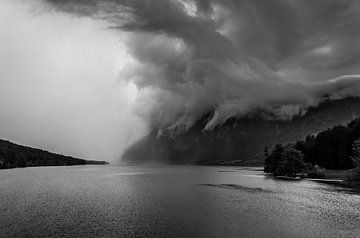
(239, 141)
(13, 156)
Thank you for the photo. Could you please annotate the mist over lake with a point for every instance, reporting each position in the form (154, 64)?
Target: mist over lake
(143, 118)
(170, 201)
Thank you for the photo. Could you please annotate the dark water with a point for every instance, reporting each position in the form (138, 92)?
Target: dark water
(172, 201)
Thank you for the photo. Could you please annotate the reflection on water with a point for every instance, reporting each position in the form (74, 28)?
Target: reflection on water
(170, 201)
(239, 187)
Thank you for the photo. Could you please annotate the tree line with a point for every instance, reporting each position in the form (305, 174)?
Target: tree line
(15, 156)
(335, 148)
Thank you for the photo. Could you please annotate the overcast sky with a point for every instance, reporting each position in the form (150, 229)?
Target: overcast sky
(59, 83)
(89, 77)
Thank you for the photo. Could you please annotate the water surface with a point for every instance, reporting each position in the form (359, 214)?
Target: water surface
(170, 201)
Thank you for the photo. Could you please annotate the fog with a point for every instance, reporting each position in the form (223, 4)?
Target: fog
(60, 89)
(90, 77)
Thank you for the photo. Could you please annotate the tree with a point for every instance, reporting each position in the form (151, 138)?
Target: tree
(356, 153)
(333, 147)
(307, 149)
(284, 160)
(266, 159)
(272, 159)
(355, 175)
(291, 163)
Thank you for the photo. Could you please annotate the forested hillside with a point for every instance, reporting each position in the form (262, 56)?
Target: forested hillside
(240, 141)
(13, 156)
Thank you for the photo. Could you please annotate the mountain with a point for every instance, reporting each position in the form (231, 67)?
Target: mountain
(239, 141)
(13, 156)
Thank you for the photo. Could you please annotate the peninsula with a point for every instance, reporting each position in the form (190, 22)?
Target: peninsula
(16, 156)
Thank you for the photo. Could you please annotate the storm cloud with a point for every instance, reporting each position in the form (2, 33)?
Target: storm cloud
(231, 57)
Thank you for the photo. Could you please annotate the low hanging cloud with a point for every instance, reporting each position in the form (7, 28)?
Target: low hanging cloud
(231, 57)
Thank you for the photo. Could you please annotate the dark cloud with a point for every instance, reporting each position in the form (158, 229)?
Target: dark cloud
(233, 56)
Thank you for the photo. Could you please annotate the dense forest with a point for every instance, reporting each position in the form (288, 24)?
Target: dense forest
(13, 156)
(239, 141)
(337, 148)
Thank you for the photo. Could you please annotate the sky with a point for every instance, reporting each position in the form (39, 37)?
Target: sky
(90, 77)
(59, 84)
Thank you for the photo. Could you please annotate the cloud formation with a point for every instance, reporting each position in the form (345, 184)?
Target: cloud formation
(232, 57)
(58, 84)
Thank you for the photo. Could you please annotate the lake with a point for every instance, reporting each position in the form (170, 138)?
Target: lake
(170, 201)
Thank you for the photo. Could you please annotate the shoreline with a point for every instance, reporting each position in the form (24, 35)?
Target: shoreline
(92, 162)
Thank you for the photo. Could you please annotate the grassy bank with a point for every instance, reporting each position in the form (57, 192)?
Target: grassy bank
(339, 177)
(336, 174)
